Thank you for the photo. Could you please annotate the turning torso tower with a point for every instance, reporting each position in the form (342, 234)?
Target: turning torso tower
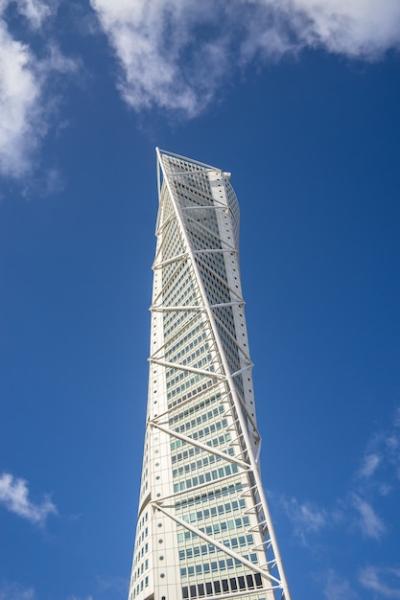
(203, 525)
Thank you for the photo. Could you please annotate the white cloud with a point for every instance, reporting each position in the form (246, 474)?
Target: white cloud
(23, 78)
(14, 591)
(370, 524)
(352, 511)
(150, 40)
(176, 55)
(56, 61)
(380, 467)
(370, 464)
(14, 496)
(306, 517)
(20, 93)
(35, 11)
(338, 588)
(376, 478)
(384, 580)
(360, 28)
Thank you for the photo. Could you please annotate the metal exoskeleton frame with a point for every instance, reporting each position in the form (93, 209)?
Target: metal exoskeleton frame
(273, 570)
(197, 288)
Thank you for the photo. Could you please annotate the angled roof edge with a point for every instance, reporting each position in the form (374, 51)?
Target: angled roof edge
(160, 152)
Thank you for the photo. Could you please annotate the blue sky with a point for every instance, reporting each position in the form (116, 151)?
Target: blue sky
(300, 101)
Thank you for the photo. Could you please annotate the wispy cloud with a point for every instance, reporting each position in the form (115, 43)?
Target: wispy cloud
(14, 496)
(351, 511)
(112, 584)
(355, 509)
(25, 112)
(178, 55)
(105, 587)
(305, 517)
(380, 467)
(385, 581)
(369, 523)
(369, 465)
(14, 591)
(338, 588)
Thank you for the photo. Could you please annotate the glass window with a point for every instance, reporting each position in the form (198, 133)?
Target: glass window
(249, 580)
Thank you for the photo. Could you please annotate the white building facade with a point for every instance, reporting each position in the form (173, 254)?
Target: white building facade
(203, 527)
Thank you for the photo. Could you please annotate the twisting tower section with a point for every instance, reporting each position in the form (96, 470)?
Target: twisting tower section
(203, 528)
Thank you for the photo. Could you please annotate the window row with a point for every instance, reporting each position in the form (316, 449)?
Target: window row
(194, 408)
(141, 535)
(183, 374)
(215, 511)
(173, 295)
(187, 360)
(211, 414)
(210, 496)
(175, 356)
(184, 386)
(215, 528)
(141, 569)
(195, 450)
(212, 443)
(191, 393)
(140, 552)
(206, 549)
(178, 279)
(233, 584)
(183, 339)
(215, 566)
(140, 586)
(206, 461)
(179, 297)
(197, 435)
(171, 326)
(206, 478)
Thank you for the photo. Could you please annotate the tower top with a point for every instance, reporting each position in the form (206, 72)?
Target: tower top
(160, 153)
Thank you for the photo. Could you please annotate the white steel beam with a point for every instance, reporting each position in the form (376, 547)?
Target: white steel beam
(168, 261)
(163, 308)
(216, 543)
(180, 367)
(205, 447)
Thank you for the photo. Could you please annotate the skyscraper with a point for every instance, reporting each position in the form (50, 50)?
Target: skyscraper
(203, 527)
